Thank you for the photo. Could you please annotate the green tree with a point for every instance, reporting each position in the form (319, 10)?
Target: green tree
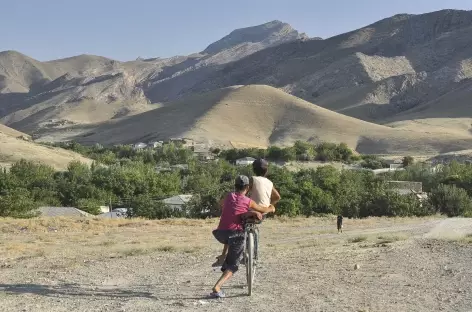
(17, 204)
(288, 154)
(408, 161)
(145, 207)
(90, 205)
(451, 200)
(344, 153)
(289, 206)
(304, 151)
(274, 153)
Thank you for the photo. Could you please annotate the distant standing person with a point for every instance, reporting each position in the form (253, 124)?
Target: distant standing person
(340, 223)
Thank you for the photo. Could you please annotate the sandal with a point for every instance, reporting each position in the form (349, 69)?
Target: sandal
(217, 295)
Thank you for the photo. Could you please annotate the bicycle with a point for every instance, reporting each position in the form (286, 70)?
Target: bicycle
(250, 254)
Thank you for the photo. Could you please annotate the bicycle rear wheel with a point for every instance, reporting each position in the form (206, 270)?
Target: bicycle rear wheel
(250, 264)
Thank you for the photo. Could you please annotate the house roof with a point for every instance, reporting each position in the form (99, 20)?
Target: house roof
(200, 148)
(247, 159)
(393, 161)
(62, 212)
(178, 200)
(180, 166)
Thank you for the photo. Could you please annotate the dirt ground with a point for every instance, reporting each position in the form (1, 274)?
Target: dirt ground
(418, 264)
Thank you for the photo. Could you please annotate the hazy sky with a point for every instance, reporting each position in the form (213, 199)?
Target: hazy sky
(126, 29)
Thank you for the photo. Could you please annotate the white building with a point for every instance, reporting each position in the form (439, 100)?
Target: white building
(156, 144)
(177, 202)
(246, 161)
(139, 146)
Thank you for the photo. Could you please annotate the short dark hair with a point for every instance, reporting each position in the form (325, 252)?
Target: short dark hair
(260, 167)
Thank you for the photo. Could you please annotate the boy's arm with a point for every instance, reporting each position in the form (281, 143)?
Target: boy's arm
(274, 196)
(261, 209)
(222, 202)
(250, 185)
(251, 214)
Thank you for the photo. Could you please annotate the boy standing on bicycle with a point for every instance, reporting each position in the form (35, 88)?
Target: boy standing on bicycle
(236, 208)
(262, 192)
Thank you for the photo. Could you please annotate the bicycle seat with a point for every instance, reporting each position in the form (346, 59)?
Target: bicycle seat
(252, 221)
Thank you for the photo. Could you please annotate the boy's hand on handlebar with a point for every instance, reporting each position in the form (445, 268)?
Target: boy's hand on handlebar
(272, 208)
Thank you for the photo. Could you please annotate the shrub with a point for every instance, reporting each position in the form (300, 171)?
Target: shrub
(17, 204)
(408, 161)
(451, 200)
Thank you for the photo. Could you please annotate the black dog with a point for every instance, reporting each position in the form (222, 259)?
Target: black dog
(340, 223)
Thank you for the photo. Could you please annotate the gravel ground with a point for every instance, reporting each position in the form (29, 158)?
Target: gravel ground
(401, 267)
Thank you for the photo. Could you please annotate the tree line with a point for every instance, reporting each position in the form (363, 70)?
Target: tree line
(129, 178)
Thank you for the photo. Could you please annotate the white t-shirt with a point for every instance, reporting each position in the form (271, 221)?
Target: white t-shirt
(261, 190)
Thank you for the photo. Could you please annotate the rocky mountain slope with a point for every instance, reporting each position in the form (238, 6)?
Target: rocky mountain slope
(410, 72)
(371, 73)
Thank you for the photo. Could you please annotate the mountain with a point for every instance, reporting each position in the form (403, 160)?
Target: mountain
(405, 73)
(37, 96)
(371, 73)
(261, 115)
(263, 36)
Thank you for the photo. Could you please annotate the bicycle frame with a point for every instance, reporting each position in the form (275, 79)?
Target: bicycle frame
(251, 227)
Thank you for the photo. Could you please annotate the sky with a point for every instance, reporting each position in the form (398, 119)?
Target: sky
(127, 29)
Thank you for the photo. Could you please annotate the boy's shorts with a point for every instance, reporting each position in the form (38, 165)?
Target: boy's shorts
(235, 242)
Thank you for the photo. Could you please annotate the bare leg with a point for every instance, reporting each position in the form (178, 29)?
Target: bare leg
(225, 250)
(224, 277)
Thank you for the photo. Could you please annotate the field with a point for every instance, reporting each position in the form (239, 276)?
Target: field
(377, 264)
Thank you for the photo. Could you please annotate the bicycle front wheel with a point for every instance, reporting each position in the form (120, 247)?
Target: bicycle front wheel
(250, 265)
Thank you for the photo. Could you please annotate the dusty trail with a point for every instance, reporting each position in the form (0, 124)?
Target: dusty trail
(299, 273)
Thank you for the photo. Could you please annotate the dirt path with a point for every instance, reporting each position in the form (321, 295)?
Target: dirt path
(300, 273)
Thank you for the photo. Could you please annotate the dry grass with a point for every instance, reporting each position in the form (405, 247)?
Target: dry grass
(461, 239)
(13, 150)
(391, 238)
(358, 239)
(110, 238)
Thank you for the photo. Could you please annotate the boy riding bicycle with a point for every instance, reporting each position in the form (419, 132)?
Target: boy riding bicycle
(236, 208)
(262, 192)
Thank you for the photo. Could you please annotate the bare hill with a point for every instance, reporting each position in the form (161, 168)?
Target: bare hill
(263, 115)
(15, 146)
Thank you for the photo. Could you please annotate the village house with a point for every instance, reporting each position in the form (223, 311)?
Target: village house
(183, 167)
(155, 144)
(246, 161)
(394, 164)
(177, 202)
(202, 152)
(139, 146)
(104, 209)
(115, 213)
(177, 167)
(47, 211)
(408, 188)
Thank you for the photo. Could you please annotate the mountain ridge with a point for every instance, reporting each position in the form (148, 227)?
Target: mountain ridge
(387, 73)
